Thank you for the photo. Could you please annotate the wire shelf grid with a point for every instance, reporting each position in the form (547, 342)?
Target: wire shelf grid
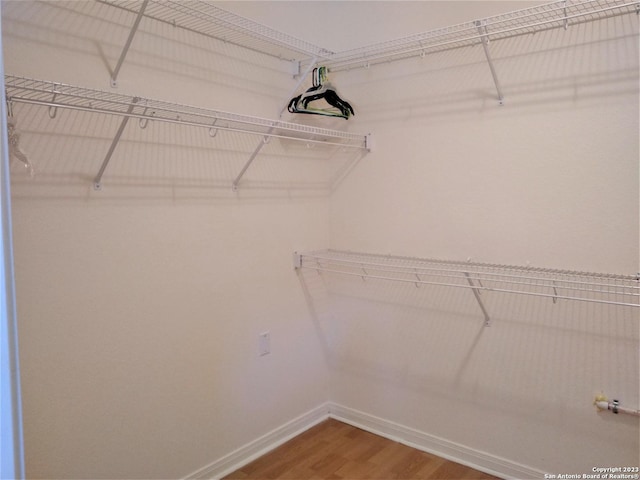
(202, 17)
(559, 14)
(58, 95)
(209, 20)
(612, 289)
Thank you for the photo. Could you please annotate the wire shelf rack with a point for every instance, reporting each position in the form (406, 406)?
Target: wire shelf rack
(202, 17)
(58, 95)
(212, 21)
(561, 14)
(611, 289)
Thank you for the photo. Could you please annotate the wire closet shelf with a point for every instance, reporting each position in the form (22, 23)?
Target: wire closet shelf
(202, 17)
(561, 14)
(58, 95)
(206, 19)
(612, 289)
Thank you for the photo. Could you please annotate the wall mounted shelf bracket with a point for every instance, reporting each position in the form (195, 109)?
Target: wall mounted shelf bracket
(476, 293)
(484, 35)
(127, 45)
(253, 156)
(266, 138)
(96, 182)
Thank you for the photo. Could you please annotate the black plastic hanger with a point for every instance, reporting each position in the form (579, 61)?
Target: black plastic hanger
(321, 90)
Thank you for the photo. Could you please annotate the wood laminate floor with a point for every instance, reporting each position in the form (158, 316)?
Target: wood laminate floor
(333, 450)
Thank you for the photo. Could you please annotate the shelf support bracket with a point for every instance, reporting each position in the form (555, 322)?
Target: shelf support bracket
(125, 50)
(476, 293)
(265, 139)
(484, 34)
(96, 182)
(253, 156)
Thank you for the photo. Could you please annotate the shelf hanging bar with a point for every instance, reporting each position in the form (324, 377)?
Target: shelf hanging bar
(181, 121)
(127, 45)
(96, 182)
(484, 33)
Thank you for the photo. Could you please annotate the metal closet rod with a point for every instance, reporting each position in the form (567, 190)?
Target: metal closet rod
(472, 278)
(181, 122)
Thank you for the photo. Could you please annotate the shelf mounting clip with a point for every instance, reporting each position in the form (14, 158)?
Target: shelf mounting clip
(484, 36)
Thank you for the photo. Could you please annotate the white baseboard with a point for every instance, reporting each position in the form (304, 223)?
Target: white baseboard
(476, 459)
(252, 450)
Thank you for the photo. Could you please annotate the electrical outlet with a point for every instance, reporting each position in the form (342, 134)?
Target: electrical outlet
(264, 343)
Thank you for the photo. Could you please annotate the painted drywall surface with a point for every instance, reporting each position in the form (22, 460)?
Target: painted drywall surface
(385, 359)
(554, 170)
(140, 305)
(140, 352)
(550, 179)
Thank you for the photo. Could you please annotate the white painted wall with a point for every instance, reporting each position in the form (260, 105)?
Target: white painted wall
(551, 179)
(140, 305)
